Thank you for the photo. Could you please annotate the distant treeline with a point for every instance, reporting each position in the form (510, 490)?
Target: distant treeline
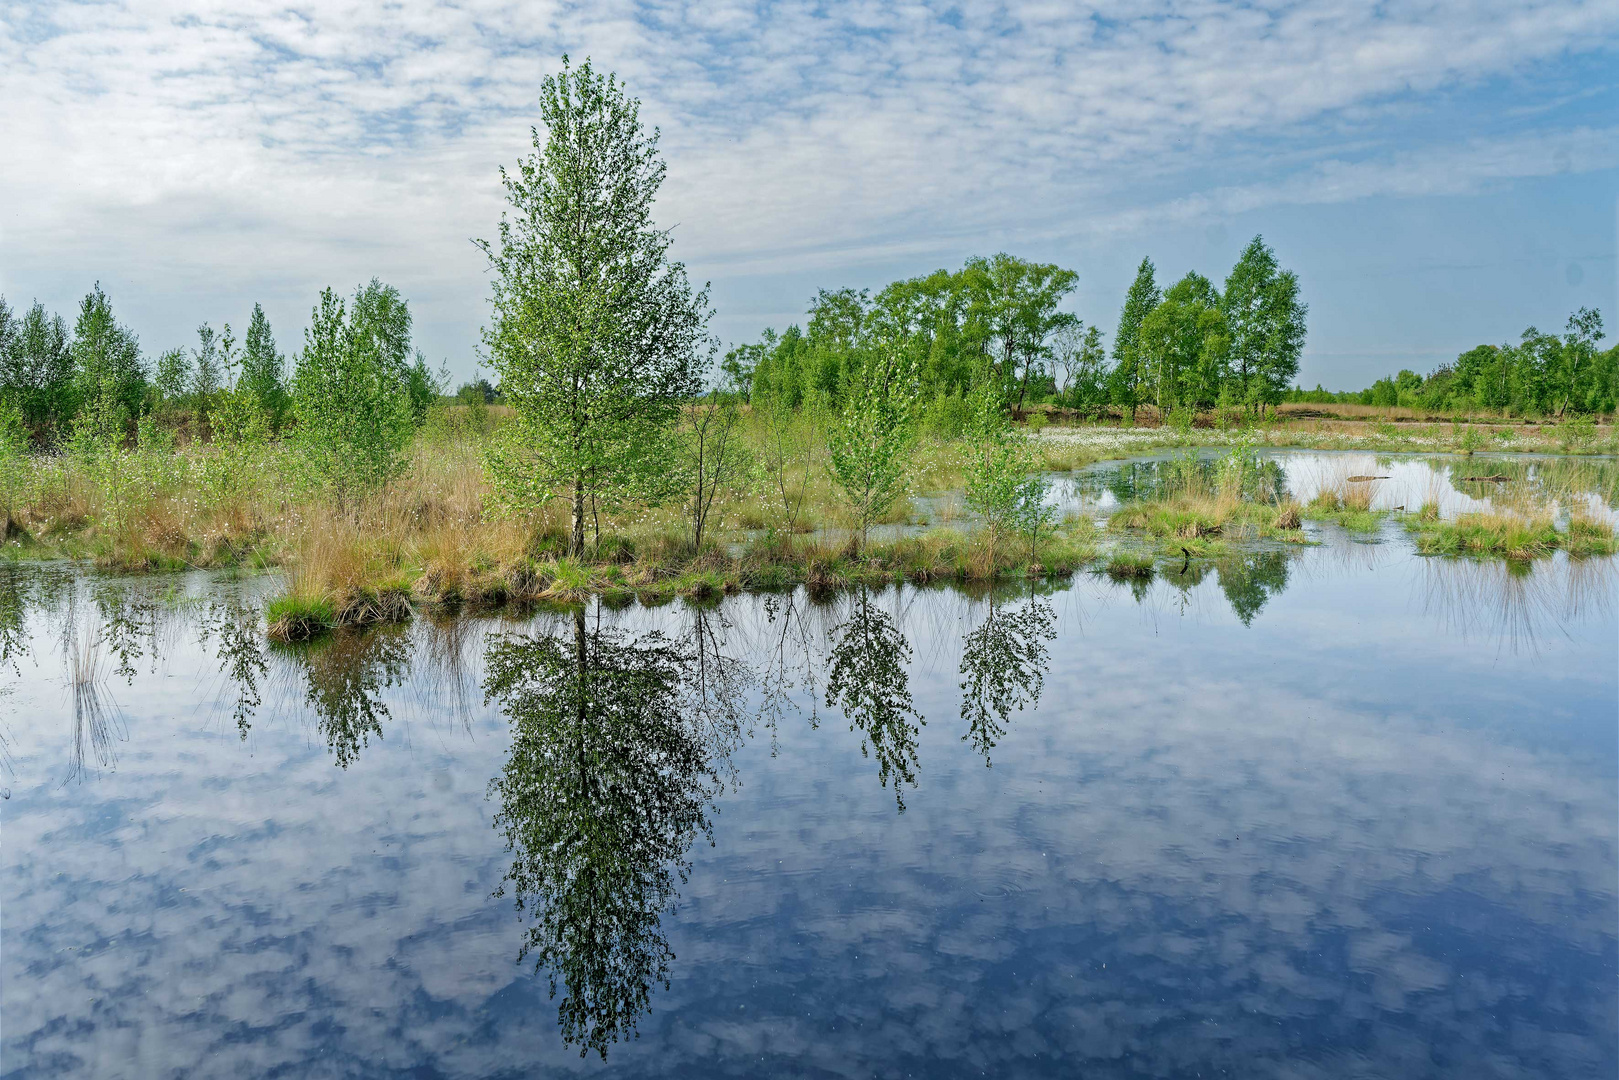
(1542, 375)
(1189, 346)
(52, 375)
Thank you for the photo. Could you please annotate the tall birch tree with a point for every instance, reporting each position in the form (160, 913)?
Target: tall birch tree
(597, 334)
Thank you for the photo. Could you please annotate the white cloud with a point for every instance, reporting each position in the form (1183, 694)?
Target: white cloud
(267, 149)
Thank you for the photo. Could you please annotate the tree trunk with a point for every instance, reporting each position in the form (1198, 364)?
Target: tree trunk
(578, 547)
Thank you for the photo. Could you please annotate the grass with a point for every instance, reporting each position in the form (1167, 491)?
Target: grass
(432, 539)
(297, 618)
(1509, 535)
(1129, 566)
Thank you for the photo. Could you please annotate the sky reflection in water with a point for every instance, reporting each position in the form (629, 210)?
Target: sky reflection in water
(1340, 811)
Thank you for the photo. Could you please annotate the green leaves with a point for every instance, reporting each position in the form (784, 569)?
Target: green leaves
(597, 335)
(1004, 484)
(349, 393)
(1266, 323)
(873, 430)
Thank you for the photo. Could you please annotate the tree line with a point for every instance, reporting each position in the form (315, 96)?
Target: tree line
(1191, 346)
(350, 398)
(1542, 375)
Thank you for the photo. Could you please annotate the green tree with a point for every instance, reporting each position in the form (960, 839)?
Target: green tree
(106, 360)
(1265, 323)
(172, 379)
(349, 400)
(210, 370)
(1004, 484)
(596, 334)
(1142, 298)
(1021, 301)
(36, 366)
(264, 370)
(873, 431)
(1182, 345)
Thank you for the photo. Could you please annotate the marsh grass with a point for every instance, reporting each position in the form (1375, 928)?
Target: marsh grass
(1129, 566)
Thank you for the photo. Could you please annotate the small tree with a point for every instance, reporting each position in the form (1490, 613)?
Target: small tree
(264, 370)
(210, 370)
(349, 400)
(106, 359)
(38, 369)
(1004, 484)
(788, 439)
(596, 333)
(172, 380)
(874, 429)
(714, 458)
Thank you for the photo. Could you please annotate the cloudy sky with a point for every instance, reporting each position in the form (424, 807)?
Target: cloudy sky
(1438, 174)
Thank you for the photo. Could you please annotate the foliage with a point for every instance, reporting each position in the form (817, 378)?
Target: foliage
(348, 392)
(1264, 323)
(264, 371)
(1142, 297)
(873, 431)
(1182, 344)
(16, 469)
(1543, 375)
(1005, 486)
(106, 360)
(596, 334)
(36, 366)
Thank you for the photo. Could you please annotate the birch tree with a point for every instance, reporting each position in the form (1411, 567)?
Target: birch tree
(597, 334)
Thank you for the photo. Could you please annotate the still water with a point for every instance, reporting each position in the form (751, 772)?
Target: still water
(1329, 811)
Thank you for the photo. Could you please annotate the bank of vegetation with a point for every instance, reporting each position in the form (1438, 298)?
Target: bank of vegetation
(603, 459)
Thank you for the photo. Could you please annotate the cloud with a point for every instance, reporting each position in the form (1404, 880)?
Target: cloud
(267, 147)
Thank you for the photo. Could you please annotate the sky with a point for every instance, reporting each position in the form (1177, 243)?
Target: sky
(1438, 174)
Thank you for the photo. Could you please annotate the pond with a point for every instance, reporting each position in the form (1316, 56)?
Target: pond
(1331, 810)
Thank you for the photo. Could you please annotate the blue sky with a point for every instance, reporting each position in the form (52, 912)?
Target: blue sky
(1438, 174)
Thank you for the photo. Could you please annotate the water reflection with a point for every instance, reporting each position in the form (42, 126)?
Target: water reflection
(1515, 602)
(344, 676)
(1329, 846)
(236, 630)
(1003, 666)
(612, 766)
(869, 683)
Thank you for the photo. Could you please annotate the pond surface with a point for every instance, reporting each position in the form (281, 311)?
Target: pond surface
(1330, 811)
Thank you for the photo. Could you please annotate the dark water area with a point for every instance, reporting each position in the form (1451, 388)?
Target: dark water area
(1331, 811)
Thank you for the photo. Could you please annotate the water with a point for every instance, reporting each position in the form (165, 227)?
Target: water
(1330, 811)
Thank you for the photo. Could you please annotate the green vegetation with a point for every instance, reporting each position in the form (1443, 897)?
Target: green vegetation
(1543, 375)
(595, 332)
(1510, 535)
(600, 465)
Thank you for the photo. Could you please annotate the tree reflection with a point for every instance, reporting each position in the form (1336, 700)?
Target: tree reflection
(869, 683)
(611, 772)
(1250, 580)
(345, 674)
(1003, 666)
(234, 627)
